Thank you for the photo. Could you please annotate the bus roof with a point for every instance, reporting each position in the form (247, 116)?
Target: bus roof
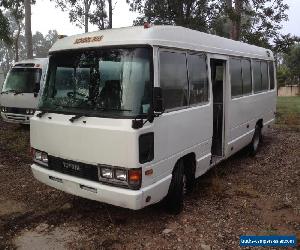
(31, 62)
(162, 35)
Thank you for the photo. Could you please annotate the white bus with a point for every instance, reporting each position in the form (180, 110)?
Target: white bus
(132, 116)
(21, 90)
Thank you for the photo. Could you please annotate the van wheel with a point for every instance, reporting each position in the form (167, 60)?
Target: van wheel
(256, 140)
(174, 199)
(189, 183)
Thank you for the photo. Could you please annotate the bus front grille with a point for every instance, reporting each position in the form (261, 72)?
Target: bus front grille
(15, 117)
(78, 169)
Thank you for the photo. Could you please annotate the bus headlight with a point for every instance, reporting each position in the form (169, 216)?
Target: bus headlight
(4, 109)
(130, 178)
(106, 173)
(121, 174)
(30, 111)
(40, 157)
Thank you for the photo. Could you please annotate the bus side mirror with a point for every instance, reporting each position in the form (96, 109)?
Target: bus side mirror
(158, 106)
(36, 89)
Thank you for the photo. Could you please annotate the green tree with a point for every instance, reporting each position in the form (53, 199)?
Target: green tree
(292, 61)
(83, 12)
(42, 44)
(20, 9)
(253, 21)
(263, 19)
(4, 30)
(194, 14)
(283, 75)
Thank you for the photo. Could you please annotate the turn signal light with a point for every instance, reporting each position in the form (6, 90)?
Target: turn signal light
(135, 177)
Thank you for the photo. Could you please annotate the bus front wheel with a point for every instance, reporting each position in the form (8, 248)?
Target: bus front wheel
(174, 199)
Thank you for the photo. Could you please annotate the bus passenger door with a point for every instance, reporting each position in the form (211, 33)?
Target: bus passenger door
(218, 68)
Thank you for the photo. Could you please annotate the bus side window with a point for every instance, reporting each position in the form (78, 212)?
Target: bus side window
(264, 76)
(173, 79)
(236, 77)
(247, 79)
(257, 81)
(271, 74)
(198, 79)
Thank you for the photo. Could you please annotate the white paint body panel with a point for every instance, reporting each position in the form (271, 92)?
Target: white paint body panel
(23, 100)
(165, 36)
(133, 199)
(176, 134)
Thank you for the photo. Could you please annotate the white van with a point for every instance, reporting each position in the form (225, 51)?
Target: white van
(21, 90)
(131, 116)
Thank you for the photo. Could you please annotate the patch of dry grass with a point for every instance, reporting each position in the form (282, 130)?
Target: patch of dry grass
(14, 142)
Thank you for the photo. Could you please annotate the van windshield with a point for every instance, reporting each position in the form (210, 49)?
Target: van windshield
(23, 80)
(99, 81)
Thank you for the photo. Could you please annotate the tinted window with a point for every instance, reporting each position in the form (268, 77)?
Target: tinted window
(271, 74)
(264, 76)
(256, 76)
(99, 82)
(24, 80)
(236, 77)
(198, 79)
(173, 79)
(246, 69)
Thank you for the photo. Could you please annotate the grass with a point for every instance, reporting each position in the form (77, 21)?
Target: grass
(288, 111)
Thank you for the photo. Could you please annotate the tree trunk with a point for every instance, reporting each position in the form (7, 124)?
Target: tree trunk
(110, 13)
(28, 34)
(17, 42)
(86, 16)
(237, 21)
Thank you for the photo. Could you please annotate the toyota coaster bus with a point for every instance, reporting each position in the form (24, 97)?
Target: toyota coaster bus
(132, 116)
(21, 90)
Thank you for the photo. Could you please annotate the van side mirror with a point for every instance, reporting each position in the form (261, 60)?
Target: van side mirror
(158, 106)
(36, 89)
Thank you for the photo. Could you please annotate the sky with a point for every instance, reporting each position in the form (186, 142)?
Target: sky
(46, 16)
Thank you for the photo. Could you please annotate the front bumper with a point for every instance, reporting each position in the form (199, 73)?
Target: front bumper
(132, 199)
(16, 118)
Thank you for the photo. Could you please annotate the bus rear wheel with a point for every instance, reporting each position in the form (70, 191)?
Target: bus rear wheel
(174, 198)
(256, 141)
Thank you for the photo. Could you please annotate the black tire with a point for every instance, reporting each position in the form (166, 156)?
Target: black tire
(256, 141)
(189, 172)
(174, 199)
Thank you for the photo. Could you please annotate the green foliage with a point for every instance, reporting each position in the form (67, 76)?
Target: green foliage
(42, 44)
(283, 75)
(83, 12)
(4, 30)
(194, 14)
(292, 61)
(15, 7)
(253, 21)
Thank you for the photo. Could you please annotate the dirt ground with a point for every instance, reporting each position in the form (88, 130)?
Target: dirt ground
(242, 196)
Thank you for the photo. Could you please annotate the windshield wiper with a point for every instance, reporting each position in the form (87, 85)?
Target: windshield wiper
(41, 114)
(8, 91)
(76, 117)
(112, 109)
(18, 92)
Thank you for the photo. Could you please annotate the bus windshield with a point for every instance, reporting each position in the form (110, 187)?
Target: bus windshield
(99, 81)
(23, 80)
